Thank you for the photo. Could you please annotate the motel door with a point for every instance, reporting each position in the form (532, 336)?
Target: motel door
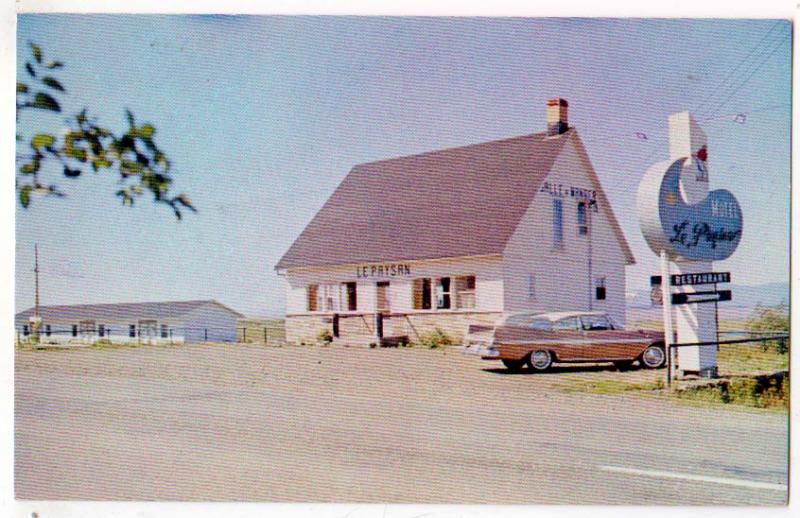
(383, 302)
(148, 330)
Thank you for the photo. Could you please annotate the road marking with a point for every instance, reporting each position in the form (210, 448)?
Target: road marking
(699, 478)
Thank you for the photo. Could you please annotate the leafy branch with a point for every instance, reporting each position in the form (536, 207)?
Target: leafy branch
(142, 166)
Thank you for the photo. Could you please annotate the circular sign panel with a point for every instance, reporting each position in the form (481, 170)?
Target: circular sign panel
(709, 230)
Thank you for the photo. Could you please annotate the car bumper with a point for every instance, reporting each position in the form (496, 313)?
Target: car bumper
(486, 352)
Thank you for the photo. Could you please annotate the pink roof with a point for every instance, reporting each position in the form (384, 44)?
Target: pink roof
(456, 202)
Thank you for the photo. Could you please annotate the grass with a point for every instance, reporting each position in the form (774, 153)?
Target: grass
(750, 359)
(611, 386)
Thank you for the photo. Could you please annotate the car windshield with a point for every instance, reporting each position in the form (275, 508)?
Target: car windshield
(595, 323)
(529, 321)
(566, 324)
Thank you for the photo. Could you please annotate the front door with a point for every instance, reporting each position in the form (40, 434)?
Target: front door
(383, 301)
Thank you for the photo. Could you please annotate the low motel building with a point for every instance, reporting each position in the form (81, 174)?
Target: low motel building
(139, 322)
(458, 236)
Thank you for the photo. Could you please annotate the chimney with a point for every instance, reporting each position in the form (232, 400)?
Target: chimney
(557, 116)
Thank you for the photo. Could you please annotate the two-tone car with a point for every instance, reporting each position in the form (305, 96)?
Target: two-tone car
(542, 339)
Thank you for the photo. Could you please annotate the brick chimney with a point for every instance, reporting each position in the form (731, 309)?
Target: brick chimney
(557, 116)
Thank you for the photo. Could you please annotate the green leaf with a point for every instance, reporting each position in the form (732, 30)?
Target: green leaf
(37, 52)
(46, 102)
(31, 71)
(41, 140)
(53, 83)
(100, 163)
(22, 88)
(31, 167)
(147, 131)
(25, 196)
(55, 64)
(77, 153)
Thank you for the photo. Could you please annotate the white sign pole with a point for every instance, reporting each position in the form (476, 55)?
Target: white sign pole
(666, 297)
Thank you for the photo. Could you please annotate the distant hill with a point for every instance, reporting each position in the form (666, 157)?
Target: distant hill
(745, 298)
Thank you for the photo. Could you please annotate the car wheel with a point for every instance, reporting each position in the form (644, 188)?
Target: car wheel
(653, 357)
(623, 366)
(513, 365)
(540, 360)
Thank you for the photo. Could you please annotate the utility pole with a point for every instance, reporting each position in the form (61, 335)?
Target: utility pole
(36, 278)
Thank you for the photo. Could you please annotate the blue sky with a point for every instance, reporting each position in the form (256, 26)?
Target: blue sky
(264, 116)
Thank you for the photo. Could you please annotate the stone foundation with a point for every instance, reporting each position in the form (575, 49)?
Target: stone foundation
(305, 328)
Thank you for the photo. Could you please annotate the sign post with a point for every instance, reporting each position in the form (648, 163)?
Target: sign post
(666, 296)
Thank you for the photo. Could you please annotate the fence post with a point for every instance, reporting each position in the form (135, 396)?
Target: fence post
(205, 334)
(244, 335)
(265, 336)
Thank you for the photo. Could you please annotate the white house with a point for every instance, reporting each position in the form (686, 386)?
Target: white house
(458, 236)
(139, 322)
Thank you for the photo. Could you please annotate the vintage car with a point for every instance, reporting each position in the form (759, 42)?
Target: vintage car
(541, 339)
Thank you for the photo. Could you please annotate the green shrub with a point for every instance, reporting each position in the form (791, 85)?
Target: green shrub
(325, 336)
(767, 320)
(435, 339)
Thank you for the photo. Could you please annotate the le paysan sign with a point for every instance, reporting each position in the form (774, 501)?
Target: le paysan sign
(709, 230)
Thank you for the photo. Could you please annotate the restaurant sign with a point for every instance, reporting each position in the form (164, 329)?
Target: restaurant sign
(709, 230)
(383, 270)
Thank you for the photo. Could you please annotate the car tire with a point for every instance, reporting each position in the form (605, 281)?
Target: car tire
(540, 361)
(653, 357)
(513, 365)
(624, 366)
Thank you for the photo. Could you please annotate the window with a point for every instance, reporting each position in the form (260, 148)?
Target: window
(25, 330)
(382, 299)
(350, 296)
(558, 223)
(311, 297)
(443, 293)
(600, 288)
(47, 330)
(101, 330)
(132, 330)
(465, 292)
(583, 225)
(164, 331)
(422, 294)
(74, 330)
(595, 323)
(532, 287)
(566, 324)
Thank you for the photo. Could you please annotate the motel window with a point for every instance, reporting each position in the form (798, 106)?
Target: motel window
(47, 330)
(25, 330)
(349, 292)
(74, 330)
(465, 292)
(164, 331)
(558, 223)
(132, 330)
(600, 288)
(532, 287)
(443, 293)
(101, 330)
(583, 225)
(311, 297)
(422, 294)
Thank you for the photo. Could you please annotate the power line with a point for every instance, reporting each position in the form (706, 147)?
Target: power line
(733, 71)
(749, 76)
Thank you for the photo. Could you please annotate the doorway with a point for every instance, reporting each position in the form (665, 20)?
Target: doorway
(383, 303)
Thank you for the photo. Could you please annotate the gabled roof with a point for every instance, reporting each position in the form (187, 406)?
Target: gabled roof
(123, 311)
(456, 202)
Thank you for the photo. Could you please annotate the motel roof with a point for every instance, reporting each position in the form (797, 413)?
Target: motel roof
(464, 201)
(124, 311)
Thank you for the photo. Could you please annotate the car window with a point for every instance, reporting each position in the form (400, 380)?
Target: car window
(540, 324)
(595, 323)
(566, 324)
(518, 320)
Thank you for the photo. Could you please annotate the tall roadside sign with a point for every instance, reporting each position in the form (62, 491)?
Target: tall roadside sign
(688, 227)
